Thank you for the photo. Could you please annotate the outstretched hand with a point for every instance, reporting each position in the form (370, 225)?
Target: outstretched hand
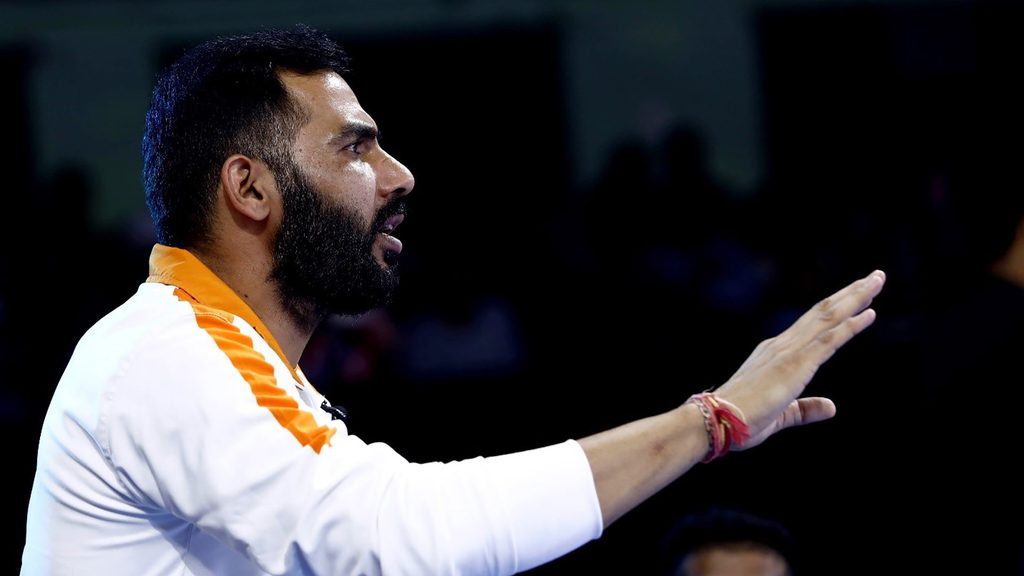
(766, 387)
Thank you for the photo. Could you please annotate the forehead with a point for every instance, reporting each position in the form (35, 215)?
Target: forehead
(735, 560)
(327, 98)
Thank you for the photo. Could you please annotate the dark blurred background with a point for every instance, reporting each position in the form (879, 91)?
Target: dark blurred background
(615, 202)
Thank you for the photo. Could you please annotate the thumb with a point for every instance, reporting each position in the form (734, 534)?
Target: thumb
(808, 410)
(799, 412)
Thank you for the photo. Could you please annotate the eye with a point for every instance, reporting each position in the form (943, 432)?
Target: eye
(357, 147)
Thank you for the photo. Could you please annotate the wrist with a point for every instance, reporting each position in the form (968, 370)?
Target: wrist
(724, 424)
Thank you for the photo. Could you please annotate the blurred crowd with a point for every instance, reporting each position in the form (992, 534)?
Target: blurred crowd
(542, 311)
(658, 283)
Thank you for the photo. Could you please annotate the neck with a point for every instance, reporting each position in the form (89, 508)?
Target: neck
(249, 277)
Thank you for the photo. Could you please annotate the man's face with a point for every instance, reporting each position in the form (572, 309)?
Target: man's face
(734, 560)
(341, 200)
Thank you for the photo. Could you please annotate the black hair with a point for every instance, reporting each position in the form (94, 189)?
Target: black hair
(223, 97)
(722, 527)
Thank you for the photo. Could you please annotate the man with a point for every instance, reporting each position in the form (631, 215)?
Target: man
(973, 341)
(728, 542)
(184, 439)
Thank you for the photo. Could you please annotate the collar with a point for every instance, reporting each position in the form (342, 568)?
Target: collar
(180, 268)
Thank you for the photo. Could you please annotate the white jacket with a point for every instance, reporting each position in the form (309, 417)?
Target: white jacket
(181, 442)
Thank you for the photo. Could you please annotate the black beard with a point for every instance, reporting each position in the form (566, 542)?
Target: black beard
(323, 254)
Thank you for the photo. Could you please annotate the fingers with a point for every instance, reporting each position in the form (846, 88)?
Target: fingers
(852, 301)
(828, 341)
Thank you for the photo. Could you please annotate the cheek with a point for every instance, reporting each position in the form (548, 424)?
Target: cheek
(359, 190)
(354, 187)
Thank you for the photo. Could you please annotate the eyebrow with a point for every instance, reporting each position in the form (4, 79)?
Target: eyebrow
(357, 130)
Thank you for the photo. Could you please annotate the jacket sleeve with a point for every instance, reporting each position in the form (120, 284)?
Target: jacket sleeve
(191, 434)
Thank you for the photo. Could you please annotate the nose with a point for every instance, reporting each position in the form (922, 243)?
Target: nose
(393, 178)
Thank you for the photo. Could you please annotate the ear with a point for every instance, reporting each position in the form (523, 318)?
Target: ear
(248, 186)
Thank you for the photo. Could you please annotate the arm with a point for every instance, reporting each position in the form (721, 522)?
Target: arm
(191, 437)
(633, 461)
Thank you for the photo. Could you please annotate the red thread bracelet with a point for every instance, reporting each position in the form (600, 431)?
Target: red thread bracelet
(723, 422)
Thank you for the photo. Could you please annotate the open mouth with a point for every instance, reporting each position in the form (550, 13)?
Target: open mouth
(390, 246)
(391, 223)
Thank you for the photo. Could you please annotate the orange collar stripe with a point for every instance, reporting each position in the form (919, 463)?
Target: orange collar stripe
(259, 374)
(182, 269)
(215, 306)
